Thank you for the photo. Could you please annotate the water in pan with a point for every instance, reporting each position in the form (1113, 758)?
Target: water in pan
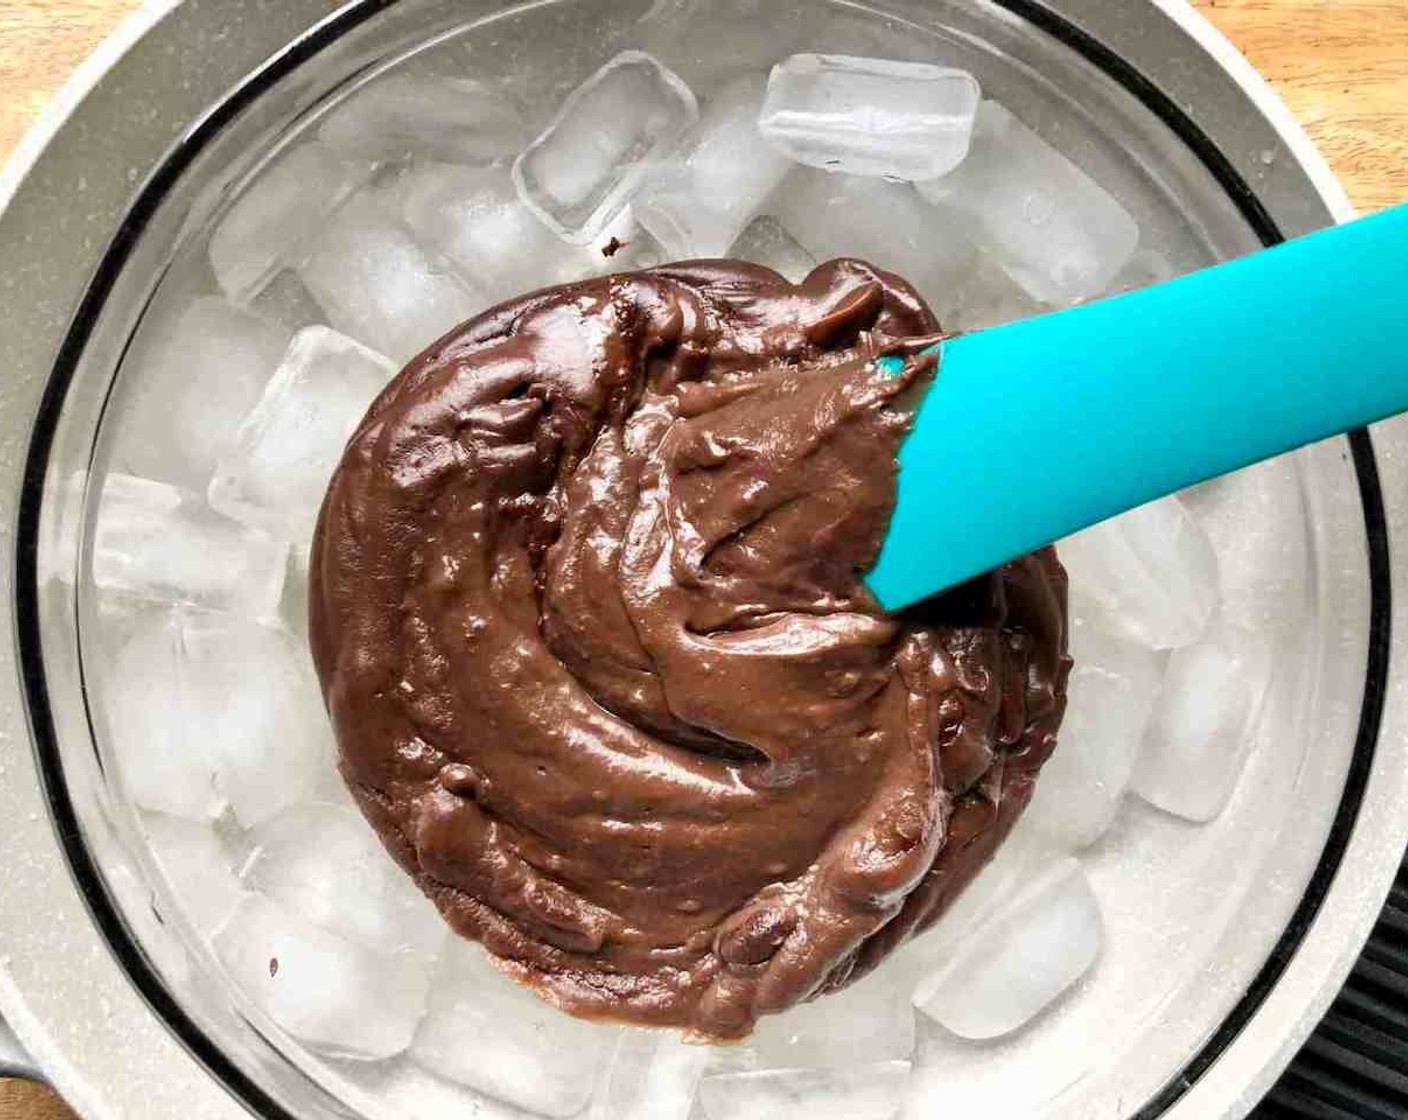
(416, 217)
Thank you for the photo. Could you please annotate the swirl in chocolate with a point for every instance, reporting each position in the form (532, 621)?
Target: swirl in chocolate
(588, 613)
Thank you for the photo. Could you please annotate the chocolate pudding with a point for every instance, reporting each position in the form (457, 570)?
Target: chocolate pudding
(589, 614)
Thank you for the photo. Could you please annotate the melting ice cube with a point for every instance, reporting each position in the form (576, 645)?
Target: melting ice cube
(765, 242)
(288, 446)
(166, 764)
(487, 1031)
(287, 302)
(855, 1092)
(155, 543)
(986, 297)
(452, 119)
(193, 377)
(869, 1022)
(1145, 269)
(1060, 234)
(870, 116)
(293, 607)
(650, 1075)
(885, 223)
(270, 221)
(1257, 522)
(198, 868)
(1150, 573)
(1111, 695)
(341, 998)
(401, 1088)
(250, 690)
(324, 863)
(844, 1054)
(1020, 858)
(582, 171)
(239, 717)
(476, 219)
(1201, 731)
(1021, 961)
(381, 288)
(698, 205)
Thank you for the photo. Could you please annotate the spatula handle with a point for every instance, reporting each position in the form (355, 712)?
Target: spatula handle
(1037, 429)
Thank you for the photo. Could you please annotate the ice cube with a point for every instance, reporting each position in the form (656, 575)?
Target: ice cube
(273, 217)
(884, 223)
(193, 376)
(870, 1021)
(698, 205)
(378, 286)
(1201, 730)
(492, 1034)
(1021, 961)
(1111, 695)
(206, 708)
(324, 863)
(1259, 528)
(153, 542)
(870, 116)
(855, 1092)
(275, 476)
(651, 1075)
(252, 691)
(403, 1089)
(476, 219)
(1020, 858)
(1060, 234)
(452, 119)
(609, 135)
(293, 607)
(1145, 269)
(198, 869)
(286, 301)
(986, 297)
(338, 997)
(165, 763)
(1150, 573)
(765, 242)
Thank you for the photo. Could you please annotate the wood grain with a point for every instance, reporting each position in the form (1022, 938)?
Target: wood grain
(19, 1100)
(1341, 65)
(41, 42)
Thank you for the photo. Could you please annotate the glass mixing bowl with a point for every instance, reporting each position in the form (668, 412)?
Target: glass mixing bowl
(1204, 926)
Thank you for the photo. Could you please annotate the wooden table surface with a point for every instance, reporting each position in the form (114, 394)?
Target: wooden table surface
(1341, 65)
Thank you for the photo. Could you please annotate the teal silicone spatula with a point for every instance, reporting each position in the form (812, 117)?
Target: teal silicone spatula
(1037, 429)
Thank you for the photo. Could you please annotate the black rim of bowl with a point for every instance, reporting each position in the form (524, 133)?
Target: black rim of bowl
(90, 880)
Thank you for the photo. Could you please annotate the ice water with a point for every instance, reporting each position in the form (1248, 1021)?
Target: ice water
(457, 120)
(543, 152)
